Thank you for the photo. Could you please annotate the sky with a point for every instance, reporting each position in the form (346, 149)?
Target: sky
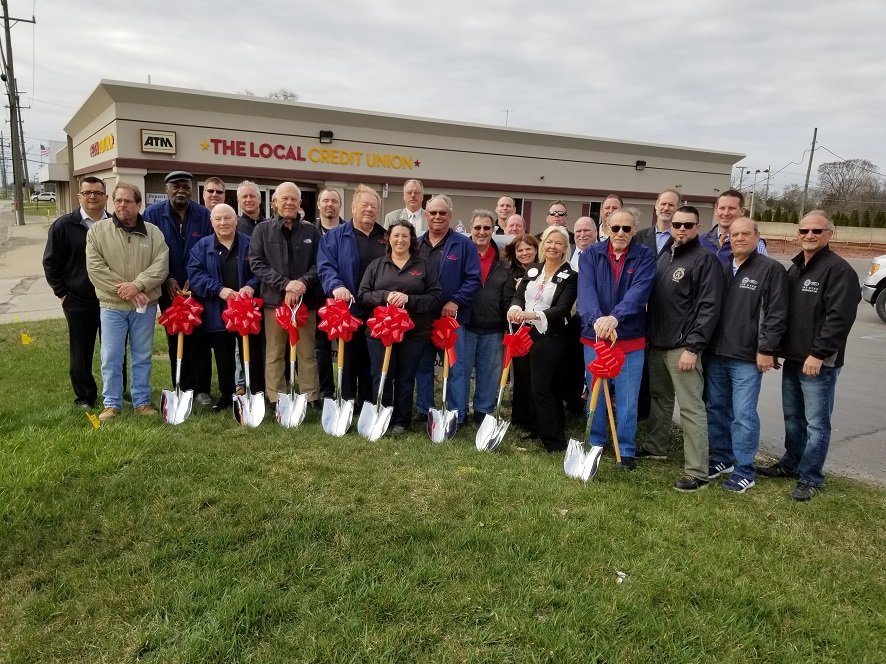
(752, 77)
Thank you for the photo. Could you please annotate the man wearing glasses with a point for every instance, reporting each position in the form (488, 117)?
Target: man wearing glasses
(558, 216)
(213, 192)
(127, 261)
(64, 264)
(413, 197)
(823, 297)
(683, 312)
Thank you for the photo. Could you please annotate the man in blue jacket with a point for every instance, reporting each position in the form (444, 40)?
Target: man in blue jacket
(615, 279)
(183, 222)
(458, 271)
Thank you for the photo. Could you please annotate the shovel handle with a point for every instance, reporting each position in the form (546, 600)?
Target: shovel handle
(291, 353)
(445, 364)
(504, 375)
(340, 360)
(245, 348)
(611, 420)
(387, 361)
(595, 395)
(180, 351)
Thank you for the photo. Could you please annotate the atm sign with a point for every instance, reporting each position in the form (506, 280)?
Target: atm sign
(158, 141)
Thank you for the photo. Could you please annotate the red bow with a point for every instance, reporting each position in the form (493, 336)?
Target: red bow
(609, 361)
(337, 321)
(283, 314)
(444, 336)
(243, 314)
(183, 315)
(516, 344)
(389, 324)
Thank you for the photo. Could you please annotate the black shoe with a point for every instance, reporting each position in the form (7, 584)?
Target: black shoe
(803, 492)
(627, 463)
(397, 430)
(421, 418)
(316, 404)
(85, 404)
(223, 404)
(687, 484)
(643, 453)
(777, 470)
(478, 418)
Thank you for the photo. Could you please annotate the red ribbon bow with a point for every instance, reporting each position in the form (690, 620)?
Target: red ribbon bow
(609, 361)
(444, 336)
(243, 314)
(389, 324)
(337, 321)
(183, 315)
(516, 344)
(283, 315)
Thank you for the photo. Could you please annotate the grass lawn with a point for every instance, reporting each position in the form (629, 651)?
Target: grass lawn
(206, 542)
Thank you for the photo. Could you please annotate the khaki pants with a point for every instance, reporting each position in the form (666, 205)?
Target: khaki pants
(665, 382)
(277, 355)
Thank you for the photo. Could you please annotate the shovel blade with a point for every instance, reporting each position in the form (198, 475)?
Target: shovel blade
(436, 430)
(291, 410)
(490, 433)
(574, 460)
(336, 420)
(374, 421)
(176, 406)
(380, 426)
(249, 409)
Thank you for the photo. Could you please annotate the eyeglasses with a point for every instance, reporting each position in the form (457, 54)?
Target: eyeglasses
(87, 194)
(214, 191)
(814, 231)
(436, 213)
(482, 228)
(688, 225)
(626, 229)
(556, 213)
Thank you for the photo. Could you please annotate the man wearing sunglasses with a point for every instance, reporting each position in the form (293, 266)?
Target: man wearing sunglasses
(683, 312)
(823, 297)
(213, 192)
(558, 216)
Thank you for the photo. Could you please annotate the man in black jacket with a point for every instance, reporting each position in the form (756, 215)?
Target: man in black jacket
(283, 254)
(683, 311)
(64, 264)
(748, 337)
(823, 297)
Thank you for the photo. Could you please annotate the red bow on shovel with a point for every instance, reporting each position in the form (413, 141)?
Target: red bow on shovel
(291, 322)
(339, 324)
(243, 316)
(578, 463)
(337, 321)
(443, 423)
(181, 317)
(388, 325)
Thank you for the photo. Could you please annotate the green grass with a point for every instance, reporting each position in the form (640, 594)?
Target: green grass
(206, 542)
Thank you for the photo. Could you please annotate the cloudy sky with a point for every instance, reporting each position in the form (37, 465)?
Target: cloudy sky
(753, 76)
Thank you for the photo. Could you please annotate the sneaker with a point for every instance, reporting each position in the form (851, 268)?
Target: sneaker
(204, 399)
(803, 492)
(719, 469)
(738, 484)
(627, 464)
(777, 470)
(687, 484)
(146, 410)
(108, 413)
(643, 453)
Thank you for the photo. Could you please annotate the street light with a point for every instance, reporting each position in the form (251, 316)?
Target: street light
(754, 189)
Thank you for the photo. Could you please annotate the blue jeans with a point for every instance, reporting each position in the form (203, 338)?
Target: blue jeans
(424, 376)
(733, 422)
(627, 389)
(808, 402)
(481, 353)
(116, 325)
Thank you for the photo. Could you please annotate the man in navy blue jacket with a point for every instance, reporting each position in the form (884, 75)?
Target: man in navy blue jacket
(458, 271)
(183, 222)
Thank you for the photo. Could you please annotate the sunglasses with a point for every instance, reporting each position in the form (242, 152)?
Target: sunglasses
(482, 228)
(616, 228)
(436, 213)
(688, 225)
(214, 191)
(556, 213)
(814, 231)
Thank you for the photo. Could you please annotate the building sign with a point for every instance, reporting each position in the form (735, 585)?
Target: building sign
(102, 145)
(315, 155)
(151, 198)
(158, 141)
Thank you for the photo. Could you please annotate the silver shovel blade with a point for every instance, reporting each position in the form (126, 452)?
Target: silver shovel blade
(591, 462)
(574, 460)
(373, 421)
(380, 426)
(490, 433)
(291, 409)
(176, 406)
(337, 420)
(442, 425)
(249, 410)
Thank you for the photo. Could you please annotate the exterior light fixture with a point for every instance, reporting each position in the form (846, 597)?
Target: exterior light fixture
(326, 136)
(640, 165)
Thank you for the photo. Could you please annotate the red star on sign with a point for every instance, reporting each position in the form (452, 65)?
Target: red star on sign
(417, 163)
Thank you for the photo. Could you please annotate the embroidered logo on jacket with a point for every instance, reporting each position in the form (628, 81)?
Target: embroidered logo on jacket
(452, 257)
(416, 273)
(748, 283)
(810, 286)
(679, 273)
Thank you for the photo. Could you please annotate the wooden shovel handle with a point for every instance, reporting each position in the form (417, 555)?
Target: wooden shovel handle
(504, 375)
(387, 361)
(445, 364)
(341, 353)
(245, 348)
(180, 351)
(292, 353)
(611, 420)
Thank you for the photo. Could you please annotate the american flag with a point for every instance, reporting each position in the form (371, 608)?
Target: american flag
(44, 150)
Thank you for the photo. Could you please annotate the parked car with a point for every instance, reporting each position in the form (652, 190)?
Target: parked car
(43, 196)
(873, 289)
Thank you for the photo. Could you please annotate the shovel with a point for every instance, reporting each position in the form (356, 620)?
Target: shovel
(374, 419)
(338, 413)
(493, 427)
(442, 425)
(577, 463)
(291, 407)
(249, 408)
(175, 404)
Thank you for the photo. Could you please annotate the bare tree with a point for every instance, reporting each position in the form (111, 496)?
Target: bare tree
(284, 94)
(847, 183)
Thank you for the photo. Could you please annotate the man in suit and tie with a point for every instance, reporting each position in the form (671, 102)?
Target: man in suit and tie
(658, 236)
(413, 196)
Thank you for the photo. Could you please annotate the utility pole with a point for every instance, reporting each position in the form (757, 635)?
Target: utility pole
(768, 175)
(21, 132)
(5, 183)
(808, 171)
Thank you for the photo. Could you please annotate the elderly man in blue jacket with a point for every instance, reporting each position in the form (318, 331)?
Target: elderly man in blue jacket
(615, 279)
(183, 222)
(458, 271)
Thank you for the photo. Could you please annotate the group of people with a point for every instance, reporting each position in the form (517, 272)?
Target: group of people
(698, 317)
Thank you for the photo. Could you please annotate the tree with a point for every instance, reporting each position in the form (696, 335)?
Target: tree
(767, 215)
(776, 217)
(880, 219)
(284, 94)
(854, 219)
(792, 216)
(866, 219)
(852, 180)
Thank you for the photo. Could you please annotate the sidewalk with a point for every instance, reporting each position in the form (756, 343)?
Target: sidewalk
(24, 293)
